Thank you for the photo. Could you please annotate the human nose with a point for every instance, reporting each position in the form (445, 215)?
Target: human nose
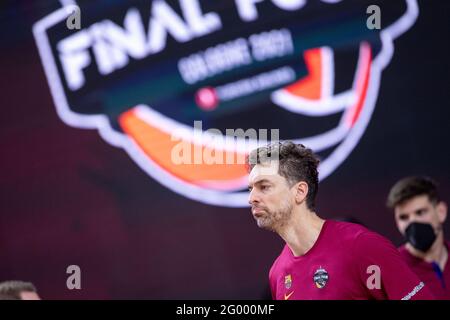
(253, 197)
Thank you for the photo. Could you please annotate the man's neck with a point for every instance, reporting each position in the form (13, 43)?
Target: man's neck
(302, 231)
(437, 253)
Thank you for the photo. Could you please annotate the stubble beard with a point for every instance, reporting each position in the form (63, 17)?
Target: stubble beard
(277, 219)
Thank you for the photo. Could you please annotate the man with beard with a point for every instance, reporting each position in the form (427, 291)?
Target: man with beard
(322, 259)
(419, 215)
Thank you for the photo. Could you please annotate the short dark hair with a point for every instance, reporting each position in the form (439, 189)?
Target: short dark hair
(13, 288)
(296, 163)
(410, 187)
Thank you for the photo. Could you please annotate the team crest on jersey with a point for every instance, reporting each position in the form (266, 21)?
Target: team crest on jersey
(320, 278)
(288, 281)
(140, 70)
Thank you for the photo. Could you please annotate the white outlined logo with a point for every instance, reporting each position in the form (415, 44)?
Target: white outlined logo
(224, 186)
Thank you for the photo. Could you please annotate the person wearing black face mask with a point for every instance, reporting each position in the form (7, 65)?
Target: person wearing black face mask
(420, 215)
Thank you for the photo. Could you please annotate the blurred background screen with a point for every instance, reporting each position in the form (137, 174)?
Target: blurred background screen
(100, 167)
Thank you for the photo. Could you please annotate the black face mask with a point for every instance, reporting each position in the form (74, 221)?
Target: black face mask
(420, 235)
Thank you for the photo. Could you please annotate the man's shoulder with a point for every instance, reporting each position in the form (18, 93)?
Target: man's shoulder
(360, 238)
(285, 254)
(345, 231)
(280, 260)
